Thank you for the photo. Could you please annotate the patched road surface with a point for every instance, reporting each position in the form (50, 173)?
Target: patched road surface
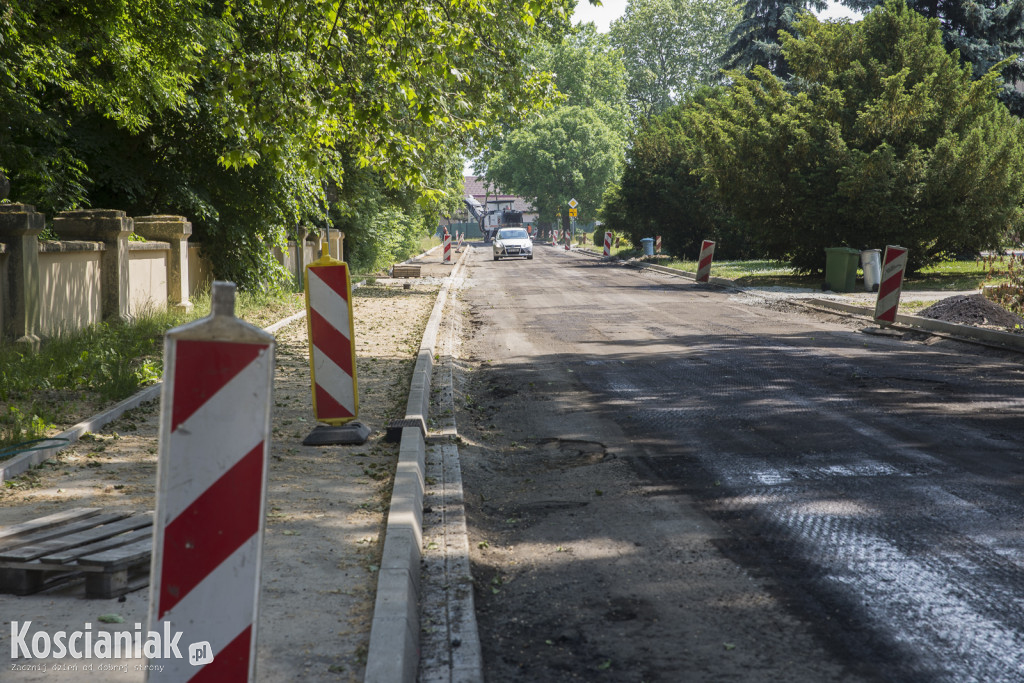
(666, 482)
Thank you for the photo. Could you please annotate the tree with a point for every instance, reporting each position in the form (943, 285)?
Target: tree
(671, 47)
(663, 191)
(985, 34)
(244, 115)
(887, 140)
(574, 148)
(757, 38)
(588, 72)
(123, 61)
(570, 153)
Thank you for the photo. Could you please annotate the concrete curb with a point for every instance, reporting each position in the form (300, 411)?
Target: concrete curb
(1006, 340)
(682, 273)
(20, 464)
(393, 655)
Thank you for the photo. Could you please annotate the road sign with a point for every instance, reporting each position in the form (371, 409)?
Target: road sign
(573, 203)
(572, 213)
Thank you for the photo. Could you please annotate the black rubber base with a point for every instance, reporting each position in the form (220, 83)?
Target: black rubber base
(350, 433)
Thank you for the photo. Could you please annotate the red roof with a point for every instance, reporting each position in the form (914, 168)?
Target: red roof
(475, 188)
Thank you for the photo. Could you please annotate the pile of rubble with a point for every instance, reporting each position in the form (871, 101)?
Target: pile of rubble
(974, 309)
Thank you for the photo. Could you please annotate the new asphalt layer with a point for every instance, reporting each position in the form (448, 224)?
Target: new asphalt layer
(395, 640)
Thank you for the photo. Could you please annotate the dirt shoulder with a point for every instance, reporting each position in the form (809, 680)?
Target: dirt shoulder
(326, 505)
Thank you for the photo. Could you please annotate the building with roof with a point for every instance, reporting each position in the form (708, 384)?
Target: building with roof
(491, 199)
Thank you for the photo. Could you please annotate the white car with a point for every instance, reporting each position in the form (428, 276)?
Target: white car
(512, 242)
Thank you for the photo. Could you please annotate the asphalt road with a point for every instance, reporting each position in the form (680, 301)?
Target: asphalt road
(686, 486)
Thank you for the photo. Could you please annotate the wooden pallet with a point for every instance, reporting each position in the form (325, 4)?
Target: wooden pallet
(405, 270)
(111, 550)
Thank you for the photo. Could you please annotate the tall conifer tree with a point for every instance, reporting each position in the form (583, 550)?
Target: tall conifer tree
(985, 33)
(755, 40)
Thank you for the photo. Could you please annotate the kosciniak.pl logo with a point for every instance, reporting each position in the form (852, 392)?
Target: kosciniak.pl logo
(102, 644)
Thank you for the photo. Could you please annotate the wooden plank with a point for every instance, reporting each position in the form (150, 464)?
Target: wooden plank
(57, 532)
(119, 524)
(400, 270)
(20, 581)
(36, 565)
(115, 584)
(73, 554)
(42, 523)
(124, 556)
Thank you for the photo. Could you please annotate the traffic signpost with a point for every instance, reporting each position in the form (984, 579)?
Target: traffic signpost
(572, 214)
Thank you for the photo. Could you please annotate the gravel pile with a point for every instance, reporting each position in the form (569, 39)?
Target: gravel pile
(976, 310)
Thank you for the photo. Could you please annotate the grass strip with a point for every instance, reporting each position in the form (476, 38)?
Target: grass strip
(102, 364)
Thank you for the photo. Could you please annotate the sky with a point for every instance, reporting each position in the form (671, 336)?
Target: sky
(612, 9)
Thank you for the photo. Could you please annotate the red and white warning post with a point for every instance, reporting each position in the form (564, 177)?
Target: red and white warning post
(211, 492)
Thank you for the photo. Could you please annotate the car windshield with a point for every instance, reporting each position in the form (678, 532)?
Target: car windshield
(513, 234)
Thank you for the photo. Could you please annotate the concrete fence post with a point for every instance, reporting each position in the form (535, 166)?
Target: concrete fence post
(336, 244)
(175, 230)
(300, 254)
(112, 227)
(20, 225)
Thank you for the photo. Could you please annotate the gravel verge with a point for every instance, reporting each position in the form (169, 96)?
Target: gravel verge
(326, 506)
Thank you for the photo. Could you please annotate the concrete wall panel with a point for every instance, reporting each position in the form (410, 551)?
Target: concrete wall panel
(147, 277)
(70, 284)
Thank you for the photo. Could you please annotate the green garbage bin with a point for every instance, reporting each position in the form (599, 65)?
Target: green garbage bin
(841, 268)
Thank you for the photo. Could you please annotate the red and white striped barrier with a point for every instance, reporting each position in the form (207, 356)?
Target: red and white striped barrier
(447, 248)
(554, 238)
(707, 254)
(607, 244)
(332, 352)
(657, 244)
(894, 262)
(211, 493)
(568, 239)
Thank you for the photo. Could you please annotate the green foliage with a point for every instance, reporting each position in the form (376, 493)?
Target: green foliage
(122, 61)
(670, 48)
(112, 360)
(588, 73)
(106, 362)
(757, 39)
(391, 235)
(984, 33)
(246, 117)
(17, 425)
(383, 226)
(573, 149)
(883, 139)
(569, 153)
(664, 191)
